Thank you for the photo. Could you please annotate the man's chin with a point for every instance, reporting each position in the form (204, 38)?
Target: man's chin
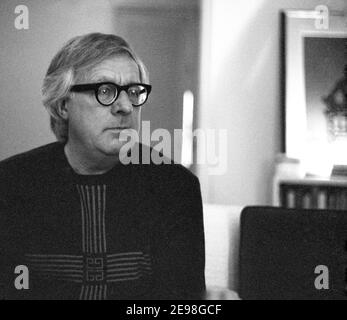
(110, 149)
(113, 149)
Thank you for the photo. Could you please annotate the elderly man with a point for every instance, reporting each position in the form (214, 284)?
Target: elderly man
(77, 223)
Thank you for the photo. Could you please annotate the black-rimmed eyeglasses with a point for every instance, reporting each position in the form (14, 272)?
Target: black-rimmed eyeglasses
(107, 92)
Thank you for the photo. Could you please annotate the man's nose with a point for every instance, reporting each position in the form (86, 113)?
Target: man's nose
(122, 104)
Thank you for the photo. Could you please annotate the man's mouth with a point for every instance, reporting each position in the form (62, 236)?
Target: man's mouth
(118, 128)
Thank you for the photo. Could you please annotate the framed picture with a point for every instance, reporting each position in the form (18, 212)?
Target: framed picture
(314, 60)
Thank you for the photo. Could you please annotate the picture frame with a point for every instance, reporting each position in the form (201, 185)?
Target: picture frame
(299, 26)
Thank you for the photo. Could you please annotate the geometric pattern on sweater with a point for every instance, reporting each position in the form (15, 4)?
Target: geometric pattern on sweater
(95, 268)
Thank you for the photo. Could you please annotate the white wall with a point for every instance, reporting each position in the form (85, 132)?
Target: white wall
(240, 91)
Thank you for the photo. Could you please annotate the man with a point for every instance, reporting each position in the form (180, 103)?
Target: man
(83, 224)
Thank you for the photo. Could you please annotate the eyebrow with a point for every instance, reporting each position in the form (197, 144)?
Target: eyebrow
(107, 79)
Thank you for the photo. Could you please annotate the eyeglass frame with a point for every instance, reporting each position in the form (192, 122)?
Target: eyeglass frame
(95, 87)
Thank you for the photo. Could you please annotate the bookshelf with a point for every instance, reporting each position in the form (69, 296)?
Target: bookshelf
(310, 193)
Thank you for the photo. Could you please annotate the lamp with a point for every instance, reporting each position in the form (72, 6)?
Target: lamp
(336, 108)
(336, 114)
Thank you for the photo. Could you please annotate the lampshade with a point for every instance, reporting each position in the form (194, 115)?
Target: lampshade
(336, 107)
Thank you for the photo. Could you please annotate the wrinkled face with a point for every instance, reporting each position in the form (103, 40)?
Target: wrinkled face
(94, 127)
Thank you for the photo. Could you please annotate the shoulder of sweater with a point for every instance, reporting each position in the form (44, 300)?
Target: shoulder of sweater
(168, 168)
(33, 159)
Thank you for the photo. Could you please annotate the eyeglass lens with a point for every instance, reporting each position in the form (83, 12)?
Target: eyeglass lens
(107, 93)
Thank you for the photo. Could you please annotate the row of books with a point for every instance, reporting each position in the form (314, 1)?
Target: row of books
(313, 197)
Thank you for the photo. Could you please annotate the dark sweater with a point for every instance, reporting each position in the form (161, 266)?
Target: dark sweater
(135, 232)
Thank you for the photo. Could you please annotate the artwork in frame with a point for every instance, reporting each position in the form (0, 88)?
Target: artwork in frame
(315, 56)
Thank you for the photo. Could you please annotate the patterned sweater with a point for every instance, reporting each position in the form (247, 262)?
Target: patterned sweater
(135, 232)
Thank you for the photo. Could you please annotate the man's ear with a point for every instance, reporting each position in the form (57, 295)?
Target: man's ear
(63, 110)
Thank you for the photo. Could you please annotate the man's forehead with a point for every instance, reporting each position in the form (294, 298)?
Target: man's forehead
(117, 69)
